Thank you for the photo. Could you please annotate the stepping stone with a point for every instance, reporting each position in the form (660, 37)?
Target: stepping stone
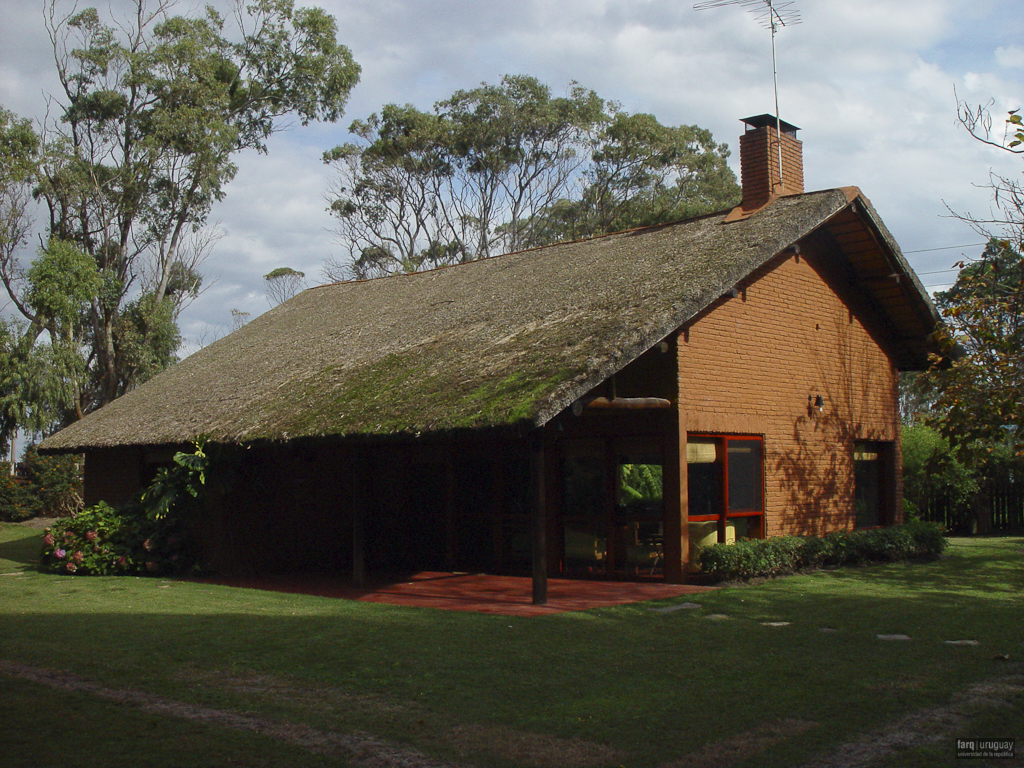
(893, 637)
(716, 616)
(962, 642)
(775, 623)
(680, 607)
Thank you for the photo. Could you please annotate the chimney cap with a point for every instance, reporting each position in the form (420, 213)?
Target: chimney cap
(768, 121)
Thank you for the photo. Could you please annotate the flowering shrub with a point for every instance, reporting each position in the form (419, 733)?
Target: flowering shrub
(97, 541)
(145, 536)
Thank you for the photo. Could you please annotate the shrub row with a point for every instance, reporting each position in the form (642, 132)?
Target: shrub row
(787, 554)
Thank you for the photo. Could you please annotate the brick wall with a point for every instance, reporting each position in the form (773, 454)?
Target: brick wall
(754, 364)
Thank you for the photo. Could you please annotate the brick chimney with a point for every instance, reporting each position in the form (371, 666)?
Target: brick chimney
(759, 161)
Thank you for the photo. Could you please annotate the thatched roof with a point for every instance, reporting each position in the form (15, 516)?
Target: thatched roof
(510, 340)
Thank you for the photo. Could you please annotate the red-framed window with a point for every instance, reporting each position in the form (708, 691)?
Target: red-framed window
(726, 487)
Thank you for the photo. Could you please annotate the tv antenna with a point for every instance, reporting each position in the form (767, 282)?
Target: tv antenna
(770, 14)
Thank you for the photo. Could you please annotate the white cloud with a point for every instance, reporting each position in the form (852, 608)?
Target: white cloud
(1010, 57)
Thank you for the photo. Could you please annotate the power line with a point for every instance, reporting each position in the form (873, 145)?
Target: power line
(946, 248)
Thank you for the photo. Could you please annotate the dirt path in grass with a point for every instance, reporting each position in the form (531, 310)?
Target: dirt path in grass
(926, 726)
(918, 729)
(528, 749)
(359, 748)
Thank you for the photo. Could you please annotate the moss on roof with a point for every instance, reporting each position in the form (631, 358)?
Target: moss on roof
(508, 340)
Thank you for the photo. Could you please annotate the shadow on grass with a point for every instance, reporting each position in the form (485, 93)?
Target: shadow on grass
(21, 548)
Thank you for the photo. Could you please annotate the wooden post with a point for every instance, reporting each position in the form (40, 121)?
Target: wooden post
(613, 558)
(539, 515)
(449, 504)
(498, 468)
(677, 527)
(357, 468)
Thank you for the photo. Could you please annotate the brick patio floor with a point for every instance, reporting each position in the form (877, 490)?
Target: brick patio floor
(482, 593)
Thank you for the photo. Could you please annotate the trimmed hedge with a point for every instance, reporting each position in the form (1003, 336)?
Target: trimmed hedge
(751, 558)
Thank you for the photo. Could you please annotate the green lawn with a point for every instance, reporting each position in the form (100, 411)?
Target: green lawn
(625, 686)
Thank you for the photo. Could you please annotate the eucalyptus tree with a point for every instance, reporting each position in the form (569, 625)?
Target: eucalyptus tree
(503, 167)
(41, 383)
(19, 159)
(463, 182)
(152, 111)
(642, 173)
(34, 391)
(283, 283)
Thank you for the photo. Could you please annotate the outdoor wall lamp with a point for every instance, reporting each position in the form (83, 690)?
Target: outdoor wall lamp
(819, 403)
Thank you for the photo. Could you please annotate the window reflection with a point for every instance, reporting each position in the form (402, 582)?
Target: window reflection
(725, 489)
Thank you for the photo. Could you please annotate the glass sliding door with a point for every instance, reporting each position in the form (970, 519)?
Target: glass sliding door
(639, 514)
(613, 508)
(584, 508)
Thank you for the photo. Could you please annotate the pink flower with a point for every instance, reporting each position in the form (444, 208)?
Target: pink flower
(151, 566)
(78, 556)
(48, 539)
(147, 545)
(59, 552)
(71, 567)
(92, 535)
(122, 562)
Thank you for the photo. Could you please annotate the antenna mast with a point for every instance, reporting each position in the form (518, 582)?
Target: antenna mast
(770, 14)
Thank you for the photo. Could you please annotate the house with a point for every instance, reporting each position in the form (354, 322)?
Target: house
(592, 408)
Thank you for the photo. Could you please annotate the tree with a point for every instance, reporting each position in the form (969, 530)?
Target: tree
(464, 182)
(19, 160)
(643, 173)
(503, 167)
(1007, 192)
(933, 471)
(151, 112)
(238, 318)
(980, 395)
(283, 283)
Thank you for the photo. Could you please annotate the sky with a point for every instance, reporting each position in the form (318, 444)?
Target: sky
(872, 84)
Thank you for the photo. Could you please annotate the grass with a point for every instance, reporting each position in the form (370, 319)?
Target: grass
(625, 686)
